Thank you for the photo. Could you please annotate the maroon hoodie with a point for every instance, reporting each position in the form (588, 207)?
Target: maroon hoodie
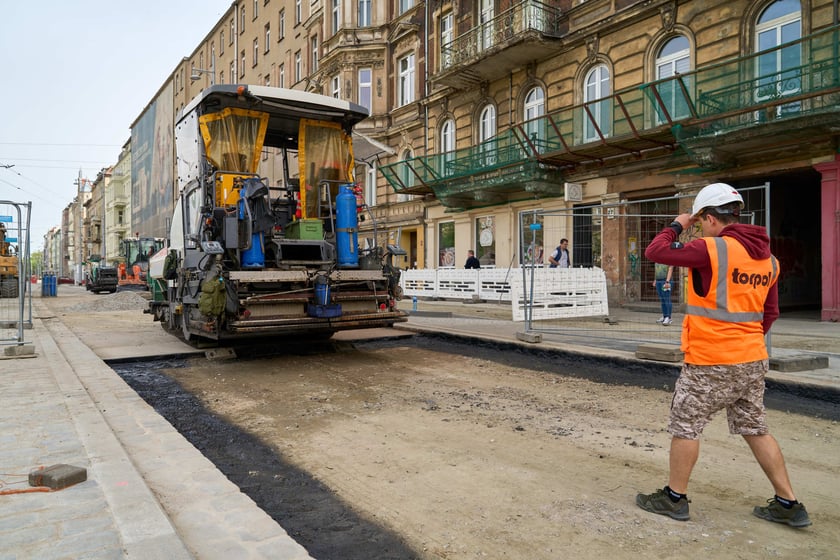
(695, 256)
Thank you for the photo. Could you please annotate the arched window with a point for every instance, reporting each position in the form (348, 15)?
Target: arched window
(407, 175)
(447, 136)
(533, 109)
(447, 144)
(779, 68)
(673, 58)
(597, 120)
(487, 123)
(486, 131)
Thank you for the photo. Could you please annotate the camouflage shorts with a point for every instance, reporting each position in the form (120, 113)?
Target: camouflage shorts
(701, 391)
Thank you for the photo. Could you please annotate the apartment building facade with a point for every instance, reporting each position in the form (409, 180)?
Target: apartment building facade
(607, 116)
(489, 114)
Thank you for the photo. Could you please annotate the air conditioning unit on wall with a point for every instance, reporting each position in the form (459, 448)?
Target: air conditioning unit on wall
(573, 192)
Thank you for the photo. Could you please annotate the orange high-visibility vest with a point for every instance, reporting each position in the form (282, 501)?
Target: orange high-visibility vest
(725, 326)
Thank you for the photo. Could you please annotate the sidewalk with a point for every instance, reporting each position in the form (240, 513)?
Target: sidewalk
(149, 493)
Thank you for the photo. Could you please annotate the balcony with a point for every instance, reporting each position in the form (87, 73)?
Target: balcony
(516, 37)
(703, 118)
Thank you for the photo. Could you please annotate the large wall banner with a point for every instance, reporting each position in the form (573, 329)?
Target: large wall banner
(151, 167)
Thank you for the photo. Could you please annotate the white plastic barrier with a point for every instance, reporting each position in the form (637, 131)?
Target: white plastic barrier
(560, 293)
(491, 284)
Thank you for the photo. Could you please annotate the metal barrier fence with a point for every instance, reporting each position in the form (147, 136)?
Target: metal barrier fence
(541, 293)
(15, 291)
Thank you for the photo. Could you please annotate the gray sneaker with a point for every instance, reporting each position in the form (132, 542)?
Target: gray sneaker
(659, 502)
(774, 511)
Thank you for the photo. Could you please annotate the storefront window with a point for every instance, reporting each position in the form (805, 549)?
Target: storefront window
(531, 240)
(446, 244)
(485, 240)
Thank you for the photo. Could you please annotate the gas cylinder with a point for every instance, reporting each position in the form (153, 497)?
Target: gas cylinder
(346, 227)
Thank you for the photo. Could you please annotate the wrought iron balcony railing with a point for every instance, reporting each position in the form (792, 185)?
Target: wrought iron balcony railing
(528, 15)
(743, 92)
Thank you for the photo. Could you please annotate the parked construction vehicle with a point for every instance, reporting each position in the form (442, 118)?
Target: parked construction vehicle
(9, 271)
(100, 278)
(240, 264)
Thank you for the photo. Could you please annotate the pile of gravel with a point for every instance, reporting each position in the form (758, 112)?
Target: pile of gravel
(119, 301)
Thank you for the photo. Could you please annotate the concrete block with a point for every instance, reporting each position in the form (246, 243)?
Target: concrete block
(799, 362)
(19, 351)
(220, 354)
(533, 338)
(57, 476)
(659, 352)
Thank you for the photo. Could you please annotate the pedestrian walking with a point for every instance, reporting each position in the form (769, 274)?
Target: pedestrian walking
(472, 261)
(732, 300)
(560, 257)
(662, 282)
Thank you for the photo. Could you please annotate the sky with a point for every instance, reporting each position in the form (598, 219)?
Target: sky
(75, 76)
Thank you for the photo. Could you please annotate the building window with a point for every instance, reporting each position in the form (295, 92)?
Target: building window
(487, 123)
(267, 80)
(221, 76)
(485, 240)
(534, 109)
(407, 176)
(446, 37)
(486, 13)
(673, 59)
(365, 88)
(447, 136)
(298, 72)
(370, 185)
(446, 145)
(242, 64)
(222, 41)
(364, 13)
(256, 8)
(232, 71)
(336, 15)
(446, 244)
(406, 80)
(281, 76)
(282, 24)
(314, 44)
(405, 5)
(298, 15)
(335, 87)
(242, 20)
(778, 74)
(232, 31)
(267, 37)
(486, 132)
(597, 122)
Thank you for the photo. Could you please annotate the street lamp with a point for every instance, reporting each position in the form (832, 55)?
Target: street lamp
(195, 73)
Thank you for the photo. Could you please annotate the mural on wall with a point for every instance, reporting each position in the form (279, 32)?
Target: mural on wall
(151, 168)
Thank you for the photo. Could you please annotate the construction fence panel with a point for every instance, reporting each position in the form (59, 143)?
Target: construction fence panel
(15, 287)
(559, 293)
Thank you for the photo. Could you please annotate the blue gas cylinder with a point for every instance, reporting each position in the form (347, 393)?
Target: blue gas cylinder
(346, 227)
(253, 256)
(322, 290)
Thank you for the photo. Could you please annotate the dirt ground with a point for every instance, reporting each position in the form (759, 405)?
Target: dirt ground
(424, 448)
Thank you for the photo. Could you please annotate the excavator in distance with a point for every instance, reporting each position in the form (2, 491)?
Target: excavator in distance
(133, 266)
(248, 258)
